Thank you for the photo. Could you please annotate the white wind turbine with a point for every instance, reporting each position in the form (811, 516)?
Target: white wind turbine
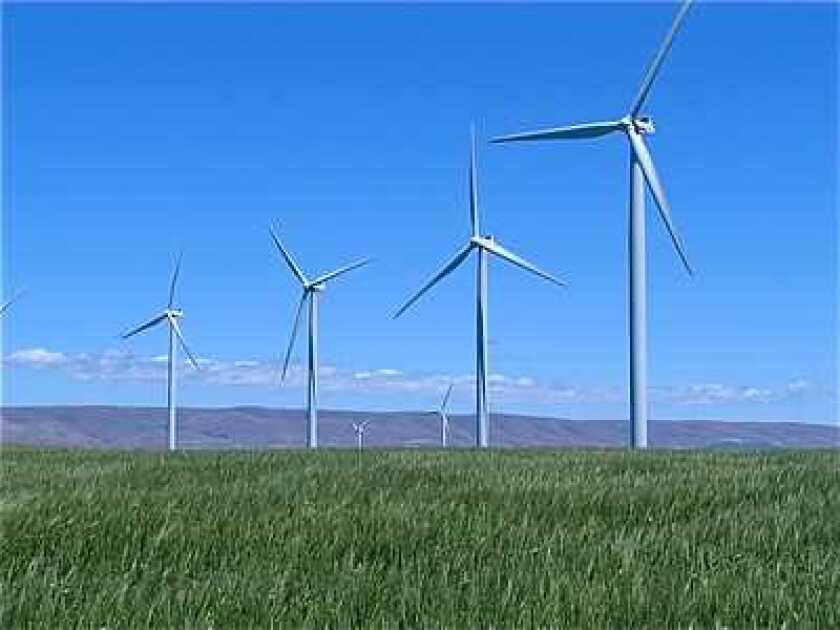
(311, 291)
(642, 170)
(360, 428)
(444, 417)
(483, 246)
(170, 315)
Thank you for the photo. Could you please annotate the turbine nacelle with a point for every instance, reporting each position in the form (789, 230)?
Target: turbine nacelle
(483, 241)
(644, 125)
(174, 313)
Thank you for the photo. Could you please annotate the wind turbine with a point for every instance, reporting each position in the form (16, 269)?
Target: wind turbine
(170, 315)
(444, 417)
(483, 246)
(642, 170)
(360, 428)
(311, 291)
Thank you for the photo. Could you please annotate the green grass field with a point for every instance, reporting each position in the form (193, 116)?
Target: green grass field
(420, 539)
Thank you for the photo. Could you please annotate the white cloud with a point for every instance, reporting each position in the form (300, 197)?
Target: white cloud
(799, 385)
(246, 364)
(565, 394)
(717, 393)
(36, 357)
(120, 365)
(756, 393)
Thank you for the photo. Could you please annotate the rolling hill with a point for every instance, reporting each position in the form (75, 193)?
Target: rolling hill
(261, 427)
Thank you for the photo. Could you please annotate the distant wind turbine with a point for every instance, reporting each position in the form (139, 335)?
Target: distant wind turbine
(311, 291)
(642, 170)
(483, 246)
(360, 428)
(170, 315)
(444, 417)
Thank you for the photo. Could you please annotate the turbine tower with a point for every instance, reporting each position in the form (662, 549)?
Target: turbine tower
(444, 417)
(310, 294)
(170, 315)
(483, 246)
(642, 171)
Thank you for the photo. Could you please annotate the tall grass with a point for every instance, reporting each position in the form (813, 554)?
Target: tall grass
(420, 539)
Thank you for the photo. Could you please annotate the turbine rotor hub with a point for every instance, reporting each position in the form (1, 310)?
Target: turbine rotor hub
(482, 240)
(644, 125)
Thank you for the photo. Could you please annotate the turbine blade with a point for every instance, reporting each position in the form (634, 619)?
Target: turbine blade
(473, 189)
(512, 258)
(572, 132)
(646, 161)
(450, 266)
(659, 59)
(174, 323)
(142, 327)
(288, 258)
(11, 301)
(445, 399)
(341, 270)
(294, 334)
(175, 279)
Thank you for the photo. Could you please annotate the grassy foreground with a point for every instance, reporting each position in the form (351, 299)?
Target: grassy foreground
(420, 539)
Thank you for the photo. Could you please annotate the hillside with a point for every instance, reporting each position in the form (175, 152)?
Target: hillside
(250, 427)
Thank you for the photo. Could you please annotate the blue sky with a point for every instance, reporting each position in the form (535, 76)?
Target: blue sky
(130, 131)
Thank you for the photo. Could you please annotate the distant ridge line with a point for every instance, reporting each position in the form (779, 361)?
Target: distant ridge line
(251, 426)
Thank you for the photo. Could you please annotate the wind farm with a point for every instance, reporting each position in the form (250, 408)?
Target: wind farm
(629, 438)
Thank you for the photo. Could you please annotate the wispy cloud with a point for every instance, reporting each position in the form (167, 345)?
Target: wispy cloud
(124, 366)
(36, 357)
(716, 393)
(710, 393)
(798, 386)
